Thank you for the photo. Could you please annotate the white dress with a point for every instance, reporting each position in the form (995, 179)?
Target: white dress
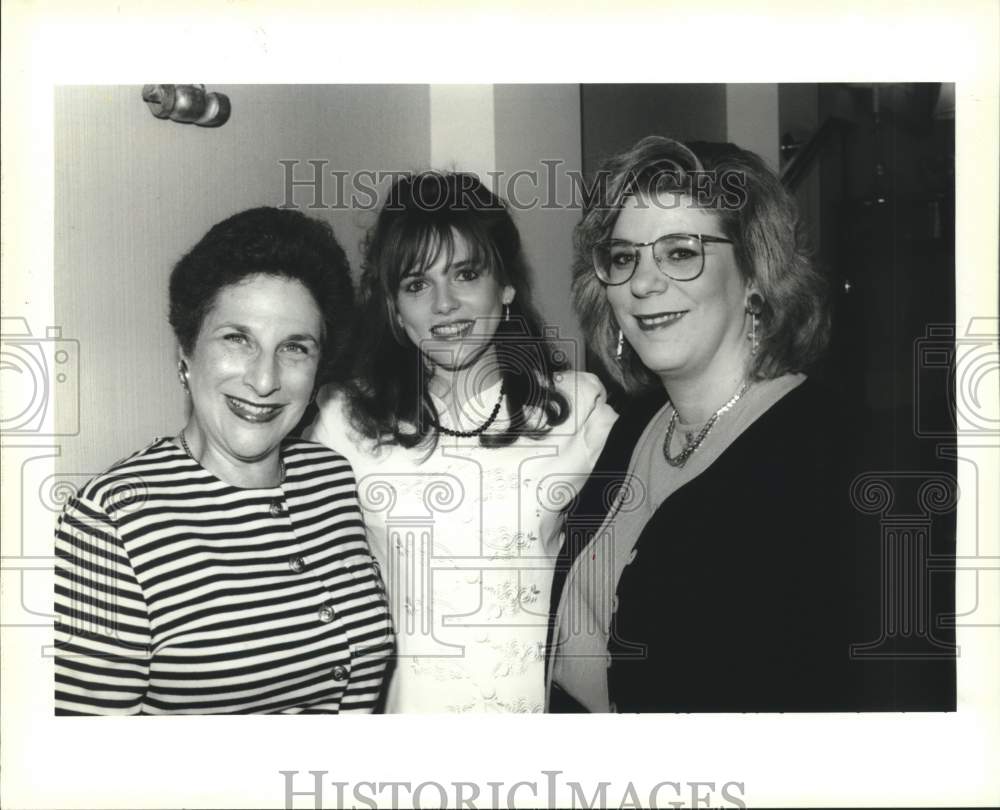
(466, 539)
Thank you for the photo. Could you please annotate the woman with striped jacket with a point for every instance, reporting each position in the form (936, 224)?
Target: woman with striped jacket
(225, 569)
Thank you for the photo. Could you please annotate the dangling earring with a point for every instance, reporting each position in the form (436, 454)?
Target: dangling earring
(754, 306)
(621, 346)
(506, 312)
(396, 325)
(182, 375)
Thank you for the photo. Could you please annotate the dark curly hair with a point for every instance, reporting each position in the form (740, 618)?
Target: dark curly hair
(754, 211)
(269, 241)
(420, 220)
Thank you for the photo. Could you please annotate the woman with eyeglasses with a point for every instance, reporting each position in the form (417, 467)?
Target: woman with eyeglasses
(706, 566)
(469, 435)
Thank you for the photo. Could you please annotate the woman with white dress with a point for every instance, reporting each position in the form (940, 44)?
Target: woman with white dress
(468, 435)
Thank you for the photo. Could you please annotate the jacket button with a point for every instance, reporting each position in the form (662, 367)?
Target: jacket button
(339, 673)
(326, 614)
(276, 509)
(297, 564)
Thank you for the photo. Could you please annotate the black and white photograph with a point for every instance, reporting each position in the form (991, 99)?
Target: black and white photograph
(622, 438)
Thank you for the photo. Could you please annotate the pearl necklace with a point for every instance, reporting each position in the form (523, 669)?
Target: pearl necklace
(468, 434)
(693, 444)
(184, 444)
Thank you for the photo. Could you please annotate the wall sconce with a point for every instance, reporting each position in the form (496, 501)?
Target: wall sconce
(187, 104)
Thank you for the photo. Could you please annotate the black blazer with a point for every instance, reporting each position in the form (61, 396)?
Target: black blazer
(752, 581)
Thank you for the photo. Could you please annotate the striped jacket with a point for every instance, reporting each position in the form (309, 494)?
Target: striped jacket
(177, 593)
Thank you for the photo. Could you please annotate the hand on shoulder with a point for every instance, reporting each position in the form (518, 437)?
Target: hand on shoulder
(589, 410)
(332, 424)
(581, 387)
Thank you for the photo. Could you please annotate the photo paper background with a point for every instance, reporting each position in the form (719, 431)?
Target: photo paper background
(235, 761)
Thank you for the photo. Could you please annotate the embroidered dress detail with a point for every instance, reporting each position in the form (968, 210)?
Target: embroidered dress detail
(467, 539)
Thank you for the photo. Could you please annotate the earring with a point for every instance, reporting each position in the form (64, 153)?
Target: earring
(506, 312)
(754, 306)
(621, 346)
(182, 375)
(395, 324)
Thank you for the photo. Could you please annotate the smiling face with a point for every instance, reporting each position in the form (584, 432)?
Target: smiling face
(252, 372)
(451, 309)
(681, 329)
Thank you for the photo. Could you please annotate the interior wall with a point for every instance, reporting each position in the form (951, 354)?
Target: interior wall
(538, 131)
(617, 115)
(752, 119)
(463, 136)
(133, 193)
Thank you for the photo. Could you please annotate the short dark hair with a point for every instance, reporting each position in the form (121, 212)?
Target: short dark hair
(417, 224)
(274, 242)
(755, 212)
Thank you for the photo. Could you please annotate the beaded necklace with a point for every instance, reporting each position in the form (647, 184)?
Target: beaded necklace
(468, 434)
(692, 444)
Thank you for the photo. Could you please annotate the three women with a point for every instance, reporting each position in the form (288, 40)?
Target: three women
(703, 567)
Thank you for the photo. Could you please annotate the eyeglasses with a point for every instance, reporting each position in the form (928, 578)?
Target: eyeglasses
(680, 256)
